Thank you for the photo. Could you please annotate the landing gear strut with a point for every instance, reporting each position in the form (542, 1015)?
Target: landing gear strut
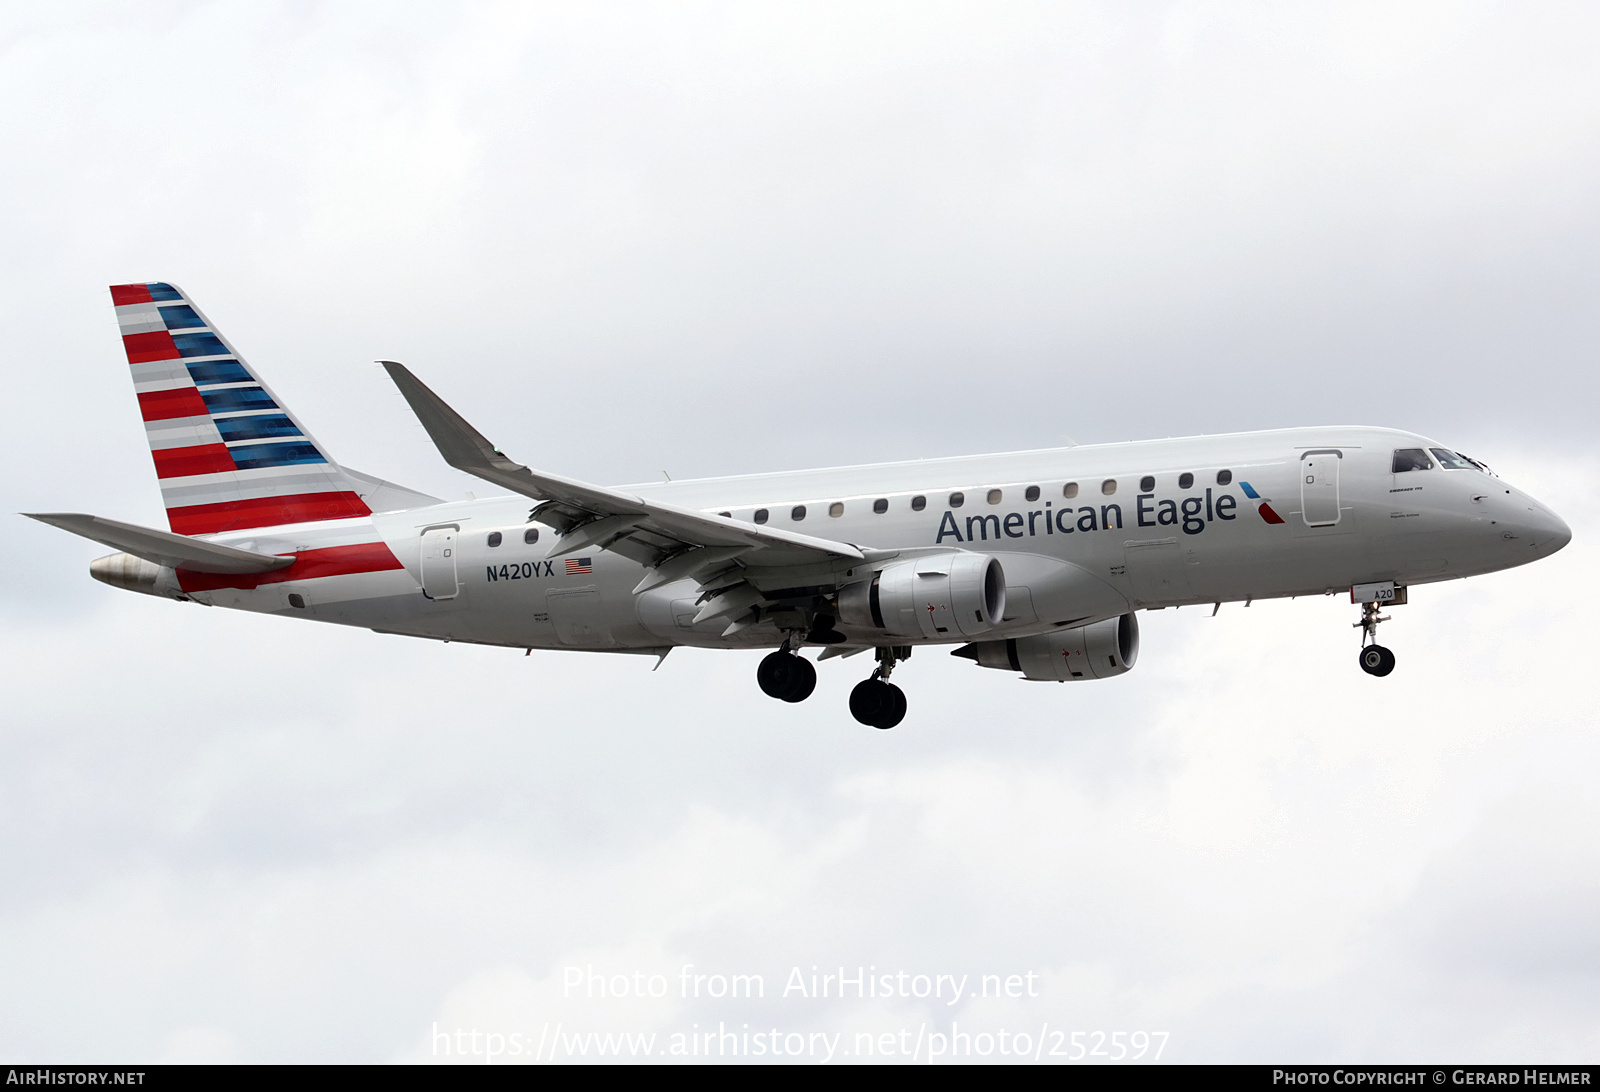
(1375, 659)
(877, 701)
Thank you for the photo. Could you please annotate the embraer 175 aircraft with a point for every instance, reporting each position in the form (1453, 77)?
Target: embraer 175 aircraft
(1033, 562)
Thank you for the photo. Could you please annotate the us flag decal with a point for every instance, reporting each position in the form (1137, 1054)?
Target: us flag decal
(577, 566)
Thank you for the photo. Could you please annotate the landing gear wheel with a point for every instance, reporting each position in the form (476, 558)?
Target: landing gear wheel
(1377, 660)
(898, 713)
(774, 674)
(805, 680)
(878, 703)
(786, 677)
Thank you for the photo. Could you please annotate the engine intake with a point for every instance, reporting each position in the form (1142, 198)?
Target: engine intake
(1088, 652)
(940, 596)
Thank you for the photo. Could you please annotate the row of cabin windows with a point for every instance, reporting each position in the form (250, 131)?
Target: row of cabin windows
(530, 536)
(919, 502)
(994, 496)
(1405, 459)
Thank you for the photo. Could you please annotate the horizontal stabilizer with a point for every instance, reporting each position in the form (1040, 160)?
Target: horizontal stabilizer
(162, 548)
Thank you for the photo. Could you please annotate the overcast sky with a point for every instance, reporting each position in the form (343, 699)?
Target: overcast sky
(713, 239)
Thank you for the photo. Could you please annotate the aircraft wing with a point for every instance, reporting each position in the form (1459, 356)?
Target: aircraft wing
(592, 516)
(161, 547)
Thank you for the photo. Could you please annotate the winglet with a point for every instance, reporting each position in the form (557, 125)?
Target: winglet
(462, 446)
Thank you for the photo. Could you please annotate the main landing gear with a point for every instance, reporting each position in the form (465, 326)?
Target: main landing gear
(787, 677)
(878, 702)
(1375, 659)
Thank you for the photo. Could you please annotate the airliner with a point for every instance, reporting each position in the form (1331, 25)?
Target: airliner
(1032, 562)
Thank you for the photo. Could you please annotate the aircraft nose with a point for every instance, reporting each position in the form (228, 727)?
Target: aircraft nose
(1524, 524)
(1559, 534)
(1546, 531)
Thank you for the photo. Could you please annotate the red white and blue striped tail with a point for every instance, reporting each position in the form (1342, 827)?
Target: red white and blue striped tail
(228, 453)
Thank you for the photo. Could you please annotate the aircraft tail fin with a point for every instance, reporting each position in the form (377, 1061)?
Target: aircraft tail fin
(229, 454)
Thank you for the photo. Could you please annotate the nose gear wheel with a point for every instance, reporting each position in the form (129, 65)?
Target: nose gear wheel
(1377, 660)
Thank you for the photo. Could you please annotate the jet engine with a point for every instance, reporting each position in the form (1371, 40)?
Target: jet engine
(948, 595)
(1087, 652)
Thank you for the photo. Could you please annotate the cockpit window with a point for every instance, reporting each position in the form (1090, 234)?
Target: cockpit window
(1452, 461)
(1411, 458)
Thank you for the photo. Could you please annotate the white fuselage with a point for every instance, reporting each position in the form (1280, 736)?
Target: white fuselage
(1106, 547)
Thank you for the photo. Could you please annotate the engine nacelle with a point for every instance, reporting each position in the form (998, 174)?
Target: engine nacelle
(1088, 652)
(940, 596)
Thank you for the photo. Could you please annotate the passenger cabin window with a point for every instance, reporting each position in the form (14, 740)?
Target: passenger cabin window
(1185, 480)
(797, 513)
(1069, 490)
(1450, 460)
(494, 538)
(1411, 458)
(761, 515)
(1147, 483)
(1224, 477)
(957, 500)
(1109, 486)
(1031, 493)
(881, 505)
(994, 496)
(918, 503)
(836, 509)
(531, 535)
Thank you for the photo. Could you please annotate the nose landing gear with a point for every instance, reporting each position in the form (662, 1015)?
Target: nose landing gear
(1375, 659)
(877, 701)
